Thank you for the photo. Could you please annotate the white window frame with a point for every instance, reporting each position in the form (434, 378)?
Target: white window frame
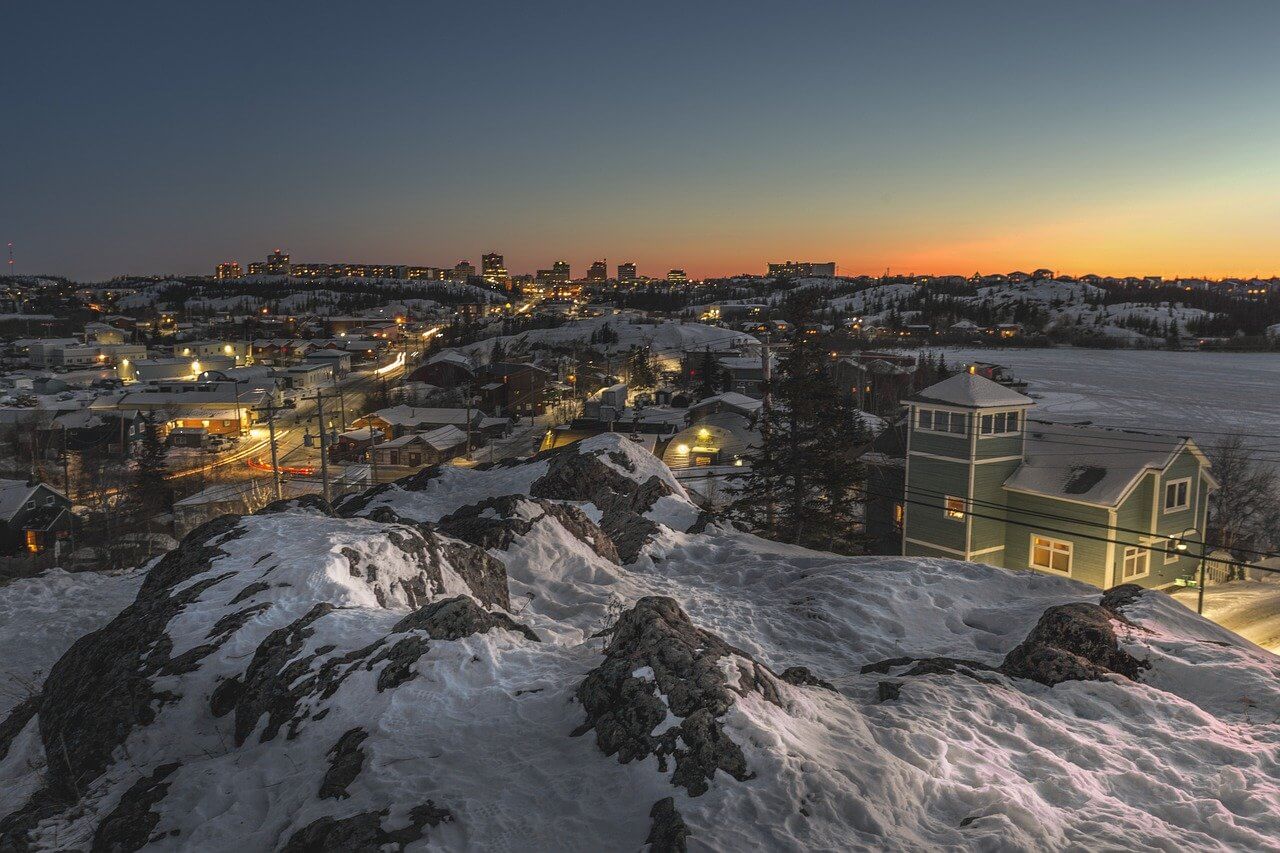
(1017, 414)
(953, 514)
(1137, 554)
(1068, 549)
(933, 421)
(1164, 500)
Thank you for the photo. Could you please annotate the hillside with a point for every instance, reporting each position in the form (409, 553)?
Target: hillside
(565, 654)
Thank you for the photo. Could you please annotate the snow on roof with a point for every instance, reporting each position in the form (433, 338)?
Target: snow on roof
(1088, 463)
(405, 414)
(732, 399)
(13, 494)
(453, 357)
(971, 391)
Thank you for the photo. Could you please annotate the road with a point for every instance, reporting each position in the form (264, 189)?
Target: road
(1250, 608)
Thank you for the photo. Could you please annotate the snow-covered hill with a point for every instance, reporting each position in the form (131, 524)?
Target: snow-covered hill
(565, 654)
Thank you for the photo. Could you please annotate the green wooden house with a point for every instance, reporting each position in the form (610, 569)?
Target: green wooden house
(984, 482)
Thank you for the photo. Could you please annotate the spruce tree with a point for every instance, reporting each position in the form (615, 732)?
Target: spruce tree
(149, 478)
(804, 483)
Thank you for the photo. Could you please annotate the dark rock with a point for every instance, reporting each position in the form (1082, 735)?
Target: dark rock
(226, 696)
(455, 618)
(234, 621)
(274, 683)
(1118, 598)
(129, 825)
(346, 759)
(16, 721)
(667, 830)
(363, 833)
(302, 503)
(1072, 642)
(888, 690)
(624, 709)
(101, 688)
(400, 659)
(496, 522)
(251, 590)
(352, 505)
(485, 576)
(801, 676)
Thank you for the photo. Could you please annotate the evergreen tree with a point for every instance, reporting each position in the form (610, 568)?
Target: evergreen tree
(707, 385)
(804, 484)
(149, 478)
(642, 375)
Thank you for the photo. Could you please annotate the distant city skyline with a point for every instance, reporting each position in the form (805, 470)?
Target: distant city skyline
(926, 137)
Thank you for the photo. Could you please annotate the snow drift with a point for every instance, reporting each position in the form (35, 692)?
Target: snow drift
(565, 654)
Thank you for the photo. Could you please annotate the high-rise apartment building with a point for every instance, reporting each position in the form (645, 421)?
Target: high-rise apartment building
(599, 271)
(627, 272)
(229, 269)
(802, 269)
(493, 270)
(677, 276)
(278, 263)
(462, 271)
(560, 271)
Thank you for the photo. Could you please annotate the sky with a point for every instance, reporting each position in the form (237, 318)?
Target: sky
(1121, 137)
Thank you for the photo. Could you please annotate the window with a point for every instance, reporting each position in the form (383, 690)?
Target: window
(1137, 563)
(1177, 494)
(935, 421)
(1000, 423)
(1050, 555)
(1177, 547)
(899, 514)
(953, 508)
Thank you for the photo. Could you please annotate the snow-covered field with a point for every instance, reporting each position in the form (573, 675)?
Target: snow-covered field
(306, 680)
(1201, 394)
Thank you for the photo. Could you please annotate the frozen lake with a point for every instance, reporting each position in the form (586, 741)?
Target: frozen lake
(1200, 394)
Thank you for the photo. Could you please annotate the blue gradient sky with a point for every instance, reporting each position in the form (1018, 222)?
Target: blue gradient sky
(1113, 137)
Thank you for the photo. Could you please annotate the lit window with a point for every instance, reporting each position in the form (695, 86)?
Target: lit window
(1050, 555)
(954, 508)
(1137, 563)
(1177, 494)
(899, 514)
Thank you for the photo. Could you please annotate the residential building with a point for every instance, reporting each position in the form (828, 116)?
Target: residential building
(35, 515)
(462, 271)
(446, 369)
(802, 269)
(257, 268)
(1098, 505)
(677, 276)
(513, 390)
(419, 449)
(493, 270)
(560, 273)
(278, 263)
(228, 269)
(627, 271)
(396, 421)
(598, 272)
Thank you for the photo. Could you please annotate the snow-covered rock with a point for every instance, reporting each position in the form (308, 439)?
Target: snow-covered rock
(409, 669)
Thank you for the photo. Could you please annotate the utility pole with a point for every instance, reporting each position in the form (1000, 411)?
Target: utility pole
(1200, 590)
(275, 465)
(468, 419)
(66, 463)
(766, 405)
(324, 445)
(374, 432)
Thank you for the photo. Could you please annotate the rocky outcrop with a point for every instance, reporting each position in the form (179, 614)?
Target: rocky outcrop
(802, 676)
(496, 522)
(363, 833)
(129, 825)
(1075, 642)
(667, 829)
(455, 618)
(346, 760)
(621, 499)
(303, 503)
(660, 666)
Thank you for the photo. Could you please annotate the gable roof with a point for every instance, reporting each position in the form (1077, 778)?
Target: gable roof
(1090, 464)
(971, 391)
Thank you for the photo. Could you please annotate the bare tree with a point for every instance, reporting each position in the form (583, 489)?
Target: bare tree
(1244, 512)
